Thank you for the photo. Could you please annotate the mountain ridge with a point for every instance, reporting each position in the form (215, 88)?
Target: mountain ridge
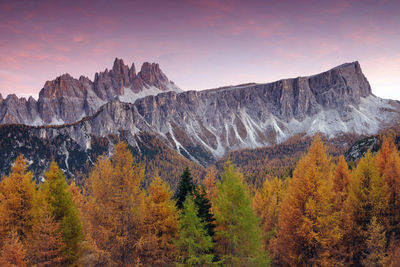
(205, 125)
(67, 99)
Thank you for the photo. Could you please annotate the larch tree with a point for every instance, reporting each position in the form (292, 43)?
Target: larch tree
(375, 255)
(368, 198)
(159, 226)
(44, 245)
(13, 253)
(383, 156)
(77, 196)
(267, 203)
(111, 212)
(341, 181)
(308, 228)
(63, 210)
(238, 234)
(194, 243)
(17, 193)
(340, 185)
(210, 184)
(391, 173)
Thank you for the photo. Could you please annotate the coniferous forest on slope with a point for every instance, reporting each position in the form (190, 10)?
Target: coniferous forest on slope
(322, 214)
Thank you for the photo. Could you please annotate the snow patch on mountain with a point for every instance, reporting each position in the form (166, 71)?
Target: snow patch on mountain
(130, 97)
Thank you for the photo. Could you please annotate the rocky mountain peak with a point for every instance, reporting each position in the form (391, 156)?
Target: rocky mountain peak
(66, 99)
(339, 86)
(64, 85)
(12, 97)
(151, 74)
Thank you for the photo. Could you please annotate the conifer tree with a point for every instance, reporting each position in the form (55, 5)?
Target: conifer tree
(159, 226)
(210, 184)
(238, 235)
(340, 186)
(308, 228)
(384, 153)
(267, 202)
(204, 209)
(341, 181)
(111, 212)
(64, 212)
(16, 200)
(13, 253)
(391, 174)
(185, 187)
(375, 256)
(77, 196)
(44, 244)
(368, 198)
(194, 244)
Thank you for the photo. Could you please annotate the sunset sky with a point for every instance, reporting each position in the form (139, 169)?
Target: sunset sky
(199, 44)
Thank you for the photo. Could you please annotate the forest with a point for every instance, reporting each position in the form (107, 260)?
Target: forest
(323, 214)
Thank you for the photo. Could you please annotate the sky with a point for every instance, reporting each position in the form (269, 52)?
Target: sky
(199, 44)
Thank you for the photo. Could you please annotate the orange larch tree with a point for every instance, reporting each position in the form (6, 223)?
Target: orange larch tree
(308, 228)
(44, 244)
(13, 253)
(16, 200)
(391, 173)
(159, 226)
(267, 203)
(368, 198)
(111, 212)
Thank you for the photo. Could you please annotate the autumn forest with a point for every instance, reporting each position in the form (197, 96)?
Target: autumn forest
(325, 214)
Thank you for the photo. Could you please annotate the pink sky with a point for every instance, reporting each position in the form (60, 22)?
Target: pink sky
(199, 44)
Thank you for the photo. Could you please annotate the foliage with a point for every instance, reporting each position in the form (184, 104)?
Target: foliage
(267, 204)
(308, 228)
(186, 187)
(16, 201)
(238, 235)
(367, 198)
(159, 225)
(63, 210)
(194, 243)
(44, 244)
(111, 211)
(13, 253)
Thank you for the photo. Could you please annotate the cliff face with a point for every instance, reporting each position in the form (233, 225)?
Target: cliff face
(67, 100)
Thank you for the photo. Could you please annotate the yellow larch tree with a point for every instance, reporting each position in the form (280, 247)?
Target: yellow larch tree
(267, 203)
(368, 198)
(13, 253)
(16, 200)
(159, 226)
(111, 212)
(210, 184)
(308, 228)
(44, 244)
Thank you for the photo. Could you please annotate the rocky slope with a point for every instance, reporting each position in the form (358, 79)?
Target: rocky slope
(67, 100)
(205, 125)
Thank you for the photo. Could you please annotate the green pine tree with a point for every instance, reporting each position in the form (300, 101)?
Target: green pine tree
(185, 187)
(64, 211)
(204, 206)
(238, 234)
(194, 243)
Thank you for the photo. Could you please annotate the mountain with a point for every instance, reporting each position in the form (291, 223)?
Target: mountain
(67, 100)
(205, 125)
